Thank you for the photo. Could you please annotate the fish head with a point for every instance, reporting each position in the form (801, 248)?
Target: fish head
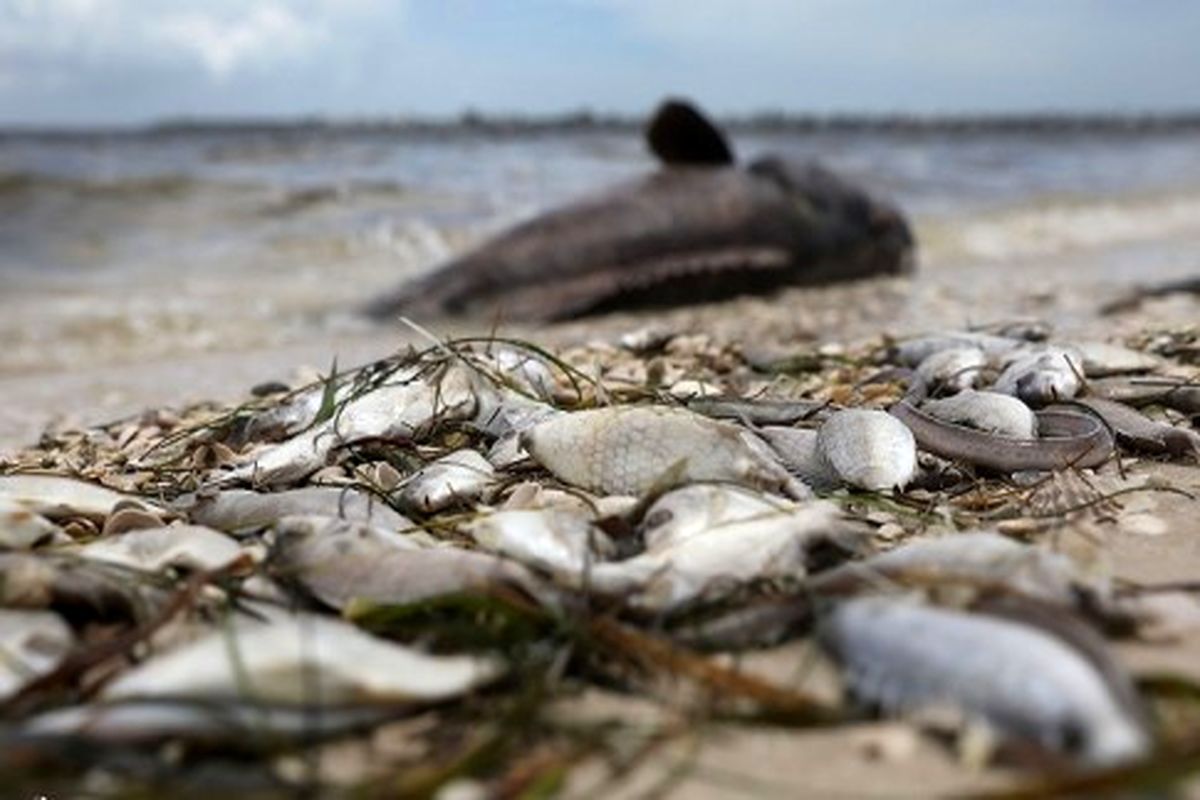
(864, 234)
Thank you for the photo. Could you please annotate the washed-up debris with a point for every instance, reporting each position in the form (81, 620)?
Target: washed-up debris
(454, 479)
(397, 538)
(1021, 681)
(631, 450)
(242, 511)
(869, 449)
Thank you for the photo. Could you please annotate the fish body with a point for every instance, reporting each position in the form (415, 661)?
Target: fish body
(1021, 681)
(699, 229)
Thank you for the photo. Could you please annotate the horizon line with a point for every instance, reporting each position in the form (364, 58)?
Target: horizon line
(582, 120)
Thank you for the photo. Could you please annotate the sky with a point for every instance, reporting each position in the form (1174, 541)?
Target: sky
(129, 62)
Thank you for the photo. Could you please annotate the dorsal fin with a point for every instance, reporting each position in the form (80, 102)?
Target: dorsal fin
(681, 136)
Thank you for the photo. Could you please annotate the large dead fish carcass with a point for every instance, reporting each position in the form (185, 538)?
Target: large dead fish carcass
(700, 229)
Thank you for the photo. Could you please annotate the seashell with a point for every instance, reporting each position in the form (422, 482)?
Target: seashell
(460, 477)
(1019, 680)
(402, 411)
(1103, 359)
(21, 528)
(190, 547)
(57, 498)
(704, 541)
(242, 510)
(563, 543)
(338, 562)
(32, 643)
(799, 451)
(954, 368)
(1041, 376)
(869, 449)
(991, 412)
(300, 660)
(632, 449)
(130, 518)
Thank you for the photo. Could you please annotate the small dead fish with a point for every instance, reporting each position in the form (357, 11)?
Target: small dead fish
(1170, 392)
(241, 510)
(979, 558)
(32, 643)
(912, 352)
(191, 547)
(869, 449)
(1042, 376)
(560, 542)
(1019, 680)
(400, 411)
(454, 479)
(954, 368)
(799, 451)
(991, 412)
(1138, 432)
(300, 660)
(633, 449)
(338, 563)
(55, 497)
(717, 539)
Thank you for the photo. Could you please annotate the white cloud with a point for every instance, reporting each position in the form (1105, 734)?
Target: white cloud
(220, 37)
(223, 44)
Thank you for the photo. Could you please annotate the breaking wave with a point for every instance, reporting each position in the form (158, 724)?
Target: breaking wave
(1064, 226)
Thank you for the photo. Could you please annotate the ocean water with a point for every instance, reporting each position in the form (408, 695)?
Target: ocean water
(122, 246)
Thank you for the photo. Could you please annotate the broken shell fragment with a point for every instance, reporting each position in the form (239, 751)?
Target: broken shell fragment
(869, 449)
(632, 449)
(460, 477)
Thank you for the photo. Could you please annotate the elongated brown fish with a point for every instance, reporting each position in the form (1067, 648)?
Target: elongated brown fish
(699, 229)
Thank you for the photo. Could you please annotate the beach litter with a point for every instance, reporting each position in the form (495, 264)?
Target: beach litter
(458, 539)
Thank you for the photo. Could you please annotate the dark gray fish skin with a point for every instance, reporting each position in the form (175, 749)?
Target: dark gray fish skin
(685, 234)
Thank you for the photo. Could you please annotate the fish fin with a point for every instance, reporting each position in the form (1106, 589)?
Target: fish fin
(681, 136)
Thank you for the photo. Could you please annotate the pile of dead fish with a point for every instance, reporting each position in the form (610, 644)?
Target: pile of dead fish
(668, 483)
